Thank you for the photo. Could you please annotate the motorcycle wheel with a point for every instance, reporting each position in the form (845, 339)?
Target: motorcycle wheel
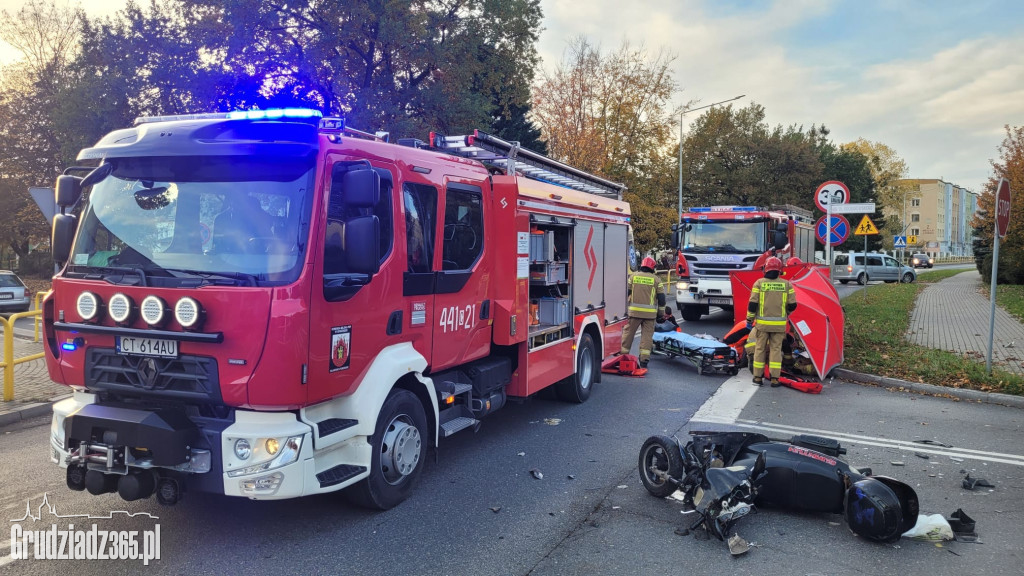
(660, 457)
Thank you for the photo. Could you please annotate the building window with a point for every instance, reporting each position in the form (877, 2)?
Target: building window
(915, 201)
(915, 231)
(915, 217)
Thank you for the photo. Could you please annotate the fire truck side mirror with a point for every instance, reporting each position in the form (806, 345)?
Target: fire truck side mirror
(675, 237)
(67, 190)
(779, 240)
(362, 245)
(362, 188)
(64, 226)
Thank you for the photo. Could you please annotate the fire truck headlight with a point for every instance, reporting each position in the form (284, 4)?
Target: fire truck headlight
(287, 452)
(57, 429)
(88, 306)
(682, 285)
(154, 310)
(272, 446)
(120, 308)
(242, 449)
(188, 313)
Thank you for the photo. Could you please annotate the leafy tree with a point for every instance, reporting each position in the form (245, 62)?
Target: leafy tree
(609, 113)
(889, 171)
(1010, 165)
(731, 156)
(47, 36)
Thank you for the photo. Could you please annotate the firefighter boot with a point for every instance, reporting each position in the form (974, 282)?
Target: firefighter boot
(758, 380)
(776, 383)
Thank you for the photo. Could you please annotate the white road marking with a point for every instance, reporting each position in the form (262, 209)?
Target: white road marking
(727, 403)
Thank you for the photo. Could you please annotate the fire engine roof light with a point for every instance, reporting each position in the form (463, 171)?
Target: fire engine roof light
(699, 209)
(269, 114)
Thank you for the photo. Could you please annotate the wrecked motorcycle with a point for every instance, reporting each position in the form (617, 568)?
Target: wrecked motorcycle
(723, 475)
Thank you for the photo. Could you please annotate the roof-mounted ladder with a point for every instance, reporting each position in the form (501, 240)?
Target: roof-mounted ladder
(491, 149)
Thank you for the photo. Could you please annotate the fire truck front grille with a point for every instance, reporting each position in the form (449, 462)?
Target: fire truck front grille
(185, 377)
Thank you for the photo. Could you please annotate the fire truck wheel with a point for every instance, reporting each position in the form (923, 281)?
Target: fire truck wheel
(577, 388)
(691, 313)
(399, 450)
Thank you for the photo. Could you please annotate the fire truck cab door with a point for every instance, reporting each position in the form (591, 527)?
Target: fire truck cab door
(462, 308)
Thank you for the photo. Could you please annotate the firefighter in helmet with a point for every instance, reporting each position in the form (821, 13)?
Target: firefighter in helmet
(772, 299)
(646, 297)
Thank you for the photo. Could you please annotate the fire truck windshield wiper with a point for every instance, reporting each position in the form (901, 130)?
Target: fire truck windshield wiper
(232, 278)
(105, 272)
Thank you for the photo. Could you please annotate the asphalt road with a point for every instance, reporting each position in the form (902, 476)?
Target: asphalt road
(599, 521)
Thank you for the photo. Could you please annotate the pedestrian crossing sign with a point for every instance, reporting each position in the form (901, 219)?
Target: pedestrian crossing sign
(866, 227)
(899, 241)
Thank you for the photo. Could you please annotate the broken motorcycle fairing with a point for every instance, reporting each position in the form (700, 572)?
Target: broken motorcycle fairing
(724, 474)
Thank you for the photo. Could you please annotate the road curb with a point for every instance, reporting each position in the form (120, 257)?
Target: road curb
(29, 411)
(931, 389)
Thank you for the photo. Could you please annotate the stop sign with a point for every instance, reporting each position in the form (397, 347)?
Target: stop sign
(1002, 207)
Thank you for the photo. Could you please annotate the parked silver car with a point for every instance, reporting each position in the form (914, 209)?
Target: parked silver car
(852, 267)
(14, 296)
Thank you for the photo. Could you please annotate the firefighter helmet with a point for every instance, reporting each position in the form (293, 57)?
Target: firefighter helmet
(649, 263)
(773, 264)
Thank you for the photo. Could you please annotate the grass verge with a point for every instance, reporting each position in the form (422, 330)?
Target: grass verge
(875, 342)
(1011, 298)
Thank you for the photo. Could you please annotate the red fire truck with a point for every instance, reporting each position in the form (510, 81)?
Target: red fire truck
(712, 241)
(269, 304)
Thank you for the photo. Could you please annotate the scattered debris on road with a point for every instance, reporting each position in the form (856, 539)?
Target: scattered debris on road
(930, 528)
(972, 483)
(536, 474)
(738, 545)
(552, 421)
(896, 463)
(495, 509)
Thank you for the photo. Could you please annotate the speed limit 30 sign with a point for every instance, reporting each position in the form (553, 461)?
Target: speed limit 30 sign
(831, 193)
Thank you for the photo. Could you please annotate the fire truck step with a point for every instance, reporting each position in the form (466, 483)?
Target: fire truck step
(454, 425)
(338, 474)
(332, 425)
(456, 389)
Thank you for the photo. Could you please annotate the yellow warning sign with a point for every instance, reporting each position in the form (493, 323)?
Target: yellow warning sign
(911, 240)
(866, 227)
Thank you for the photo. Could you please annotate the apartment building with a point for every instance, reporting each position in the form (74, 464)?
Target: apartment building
(939, 214)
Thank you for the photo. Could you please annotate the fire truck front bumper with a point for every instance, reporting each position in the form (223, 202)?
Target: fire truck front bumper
(704, 291)
(138, 453)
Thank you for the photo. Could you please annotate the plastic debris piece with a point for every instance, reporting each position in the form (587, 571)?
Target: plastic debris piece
(521, 454)
(972, 483)
(930, 528)
(951, 551)
(955, 459)
(896, 463)
(571, 476)
(536, 474)
(552, 421)
(925, 456)
(932, 443)
(616, 507)
(621, 486)
(963, 526)
(495, 509)
(738, 545)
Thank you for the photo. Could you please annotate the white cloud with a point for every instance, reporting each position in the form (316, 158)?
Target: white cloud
(943, 112)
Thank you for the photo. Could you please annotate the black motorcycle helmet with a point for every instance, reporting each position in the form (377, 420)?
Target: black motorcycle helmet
(880, 509)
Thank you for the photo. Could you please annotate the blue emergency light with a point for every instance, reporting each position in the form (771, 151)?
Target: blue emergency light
(724, 209)
(69, 346)
(274, 113)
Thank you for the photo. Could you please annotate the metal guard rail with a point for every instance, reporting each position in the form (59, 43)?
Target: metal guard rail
(9, 361)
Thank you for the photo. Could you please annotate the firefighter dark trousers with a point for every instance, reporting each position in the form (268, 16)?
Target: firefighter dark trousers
(646, 326)
(768, 344)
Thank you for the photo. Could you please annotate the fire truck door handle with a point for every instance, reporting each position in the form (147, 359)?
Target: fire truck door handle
(485, 309)
(395, 323)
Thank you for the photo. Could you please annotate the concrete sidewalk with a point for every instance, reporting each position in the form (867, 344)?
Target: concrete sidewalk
(33, 389)
(953, 315)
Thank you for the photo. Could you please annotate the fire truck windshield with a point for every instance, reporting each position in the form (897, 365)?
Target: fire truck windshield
(198, 220)
(730, 237)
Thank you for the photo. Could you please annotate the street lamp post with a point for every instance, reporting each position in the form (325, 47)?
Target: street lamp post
(679, 214)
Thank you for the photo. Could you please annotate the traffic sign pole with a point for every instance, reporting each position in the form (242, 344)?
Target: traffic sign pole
(1000, 224)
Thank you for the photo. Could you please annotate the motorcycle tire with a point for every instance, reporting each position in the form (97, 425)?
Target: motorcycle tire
(660, 455)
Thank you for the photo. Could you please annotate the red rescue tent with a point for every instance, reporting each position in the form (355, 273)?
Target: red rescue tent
(818, 319)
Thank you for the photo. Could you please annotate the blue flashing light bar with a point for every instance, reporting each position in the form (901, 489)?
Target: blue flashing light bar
(69, 346)
(269, 114)
(724, 209)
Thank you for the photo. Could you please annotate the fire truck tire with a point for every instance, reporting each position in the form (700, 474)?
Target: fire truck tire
(577, 387)
(691, 313)
(399, 452)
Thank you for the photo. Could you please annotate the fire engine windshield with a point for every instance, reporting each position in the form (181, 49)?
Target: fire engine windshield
(730, 237)
(240, 221)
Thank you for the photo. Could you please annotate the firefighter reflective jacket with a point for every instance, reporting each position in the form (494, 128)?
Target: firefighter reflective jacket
(645, 289)
(773, 299)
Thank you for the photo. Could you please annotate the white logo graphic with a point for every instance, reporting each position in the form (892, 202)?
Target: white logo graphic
(82, 543)
(504, 204)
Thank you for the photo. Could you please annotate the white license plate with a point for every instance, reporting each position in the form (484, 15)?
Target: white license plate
(726, 301)
(6, 296)
(147, 347)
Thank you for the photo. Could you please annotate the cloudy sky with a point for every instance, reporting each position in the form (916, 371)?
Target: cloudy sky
(936, 80)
